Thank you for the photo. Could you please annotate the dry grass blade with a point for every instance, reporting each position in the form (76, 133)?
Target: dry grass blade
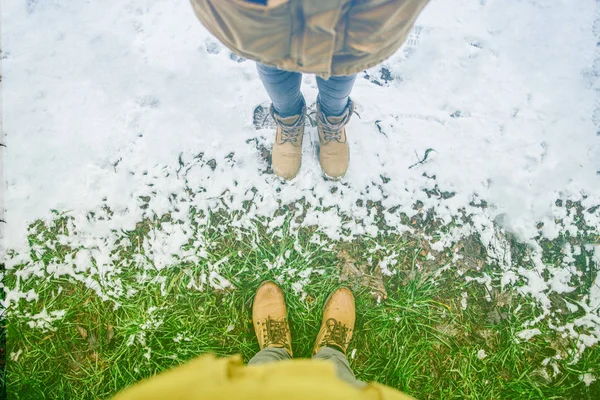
(360, 276)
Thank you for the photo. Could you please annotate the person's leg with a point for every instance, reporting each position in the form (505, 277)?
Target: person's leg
(334, 110)
(270, 354)
(341, 364)
(339, 314)
(283, 88)
(334, 94)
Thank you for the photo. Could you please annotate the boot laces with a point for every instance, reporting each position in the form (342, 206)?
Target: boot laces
(333, 130)
(275, 332)
(289, 133)
(336, 333)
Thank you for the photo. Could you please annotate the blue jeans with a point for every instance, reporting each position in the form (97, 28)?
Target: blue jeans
(283, 88)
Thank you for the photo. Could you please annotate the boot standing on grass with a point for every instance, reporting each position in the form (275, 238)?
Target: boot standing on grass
(332, 39)
(272, 374)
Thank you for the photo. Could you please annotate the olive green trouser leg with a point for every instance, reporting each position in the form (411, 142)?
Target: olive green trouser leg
(269, 354)
(338, 358)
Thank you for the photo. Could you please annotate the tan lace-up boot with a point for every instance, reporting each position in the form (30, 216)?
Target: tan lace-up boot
(334, 152)
(287, 149)
(338, 321)
(269, 317)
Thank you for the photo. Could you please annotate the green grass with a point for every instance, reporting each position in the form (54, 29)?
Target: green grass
(418, 340)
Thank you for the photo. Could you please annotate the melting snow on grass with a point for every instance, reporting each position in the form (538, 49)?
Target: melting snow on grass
(145, 115)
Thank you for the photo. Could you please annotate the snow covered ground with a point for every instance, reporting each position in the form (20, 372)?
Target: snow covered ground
(108, 103)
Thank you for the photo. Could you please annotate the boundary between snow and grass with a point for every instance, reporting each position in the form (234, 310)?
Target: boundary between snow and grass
(111, 310)
(560, 276)
(596, 74)
(2, 232)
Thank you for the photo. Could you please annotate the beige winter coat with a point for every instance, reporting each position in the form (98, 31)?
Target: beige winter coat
(324, 37)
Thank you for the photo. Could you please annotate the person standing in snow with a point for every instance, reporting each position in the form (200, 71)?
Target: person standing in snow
(334, 39)
(272, 373)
